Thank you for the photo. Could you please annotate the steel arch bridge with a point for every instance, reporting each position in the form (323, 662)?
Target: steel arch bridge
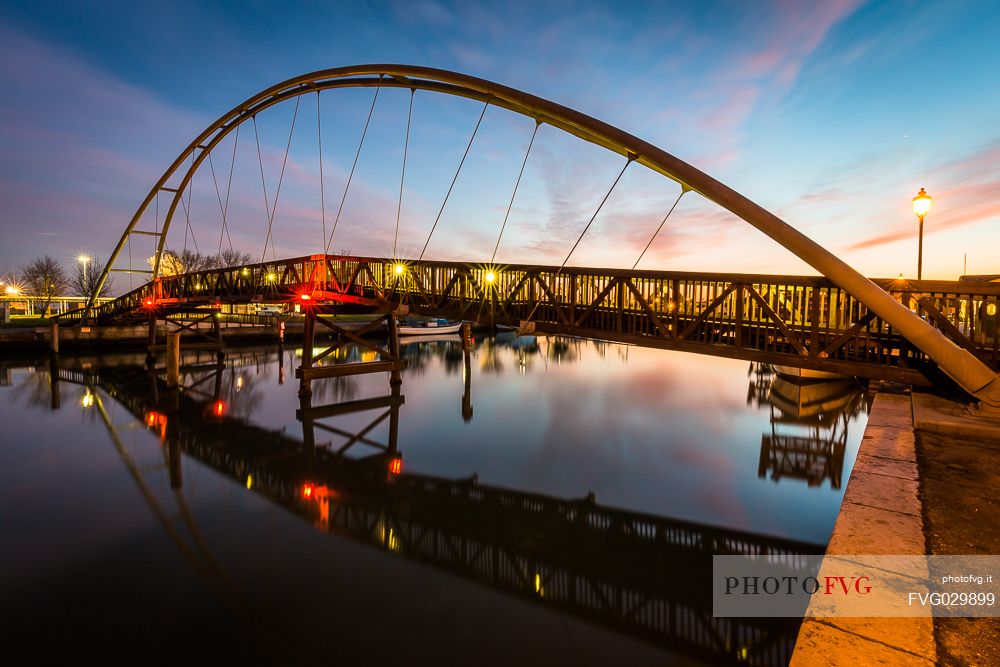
(842, 322)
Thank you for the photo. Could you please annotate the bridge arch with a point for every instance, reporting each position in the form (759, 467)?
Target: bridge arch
(967, 370)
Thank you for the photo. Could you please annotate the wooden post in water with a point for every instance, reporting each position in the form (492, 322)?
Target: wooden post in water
(305, 384)
(54, 338)
(54, 383)
(393, 329)
(151, 342)
(217, 329)
(466, 335)
(467, 393)
(174, 462)
(173, 359)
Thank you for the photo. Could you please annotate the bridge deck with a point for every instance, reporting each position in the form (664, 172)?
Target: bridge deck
(801, 321)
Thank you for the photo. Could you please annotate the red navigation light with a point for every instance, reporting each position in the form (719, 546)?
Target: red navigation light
(148, 303)
(305, 297)
(151, 418)
(308, 490)
(395, 466)
(219, 408)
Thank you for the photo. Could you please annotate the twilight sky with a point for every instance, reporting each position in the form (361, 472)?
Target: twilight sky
(830, 114)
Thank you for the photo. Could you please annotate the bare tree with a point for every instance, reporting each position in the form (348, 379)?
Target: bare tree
(84, 282)
(233, 258)
(44, 278)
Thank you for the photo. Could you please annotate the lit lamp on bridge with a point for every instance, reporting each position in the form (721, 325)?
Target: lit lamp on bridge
(921, 206)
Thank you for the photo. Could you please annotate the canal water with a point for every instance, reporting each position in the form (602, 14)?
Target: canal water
(505, 504)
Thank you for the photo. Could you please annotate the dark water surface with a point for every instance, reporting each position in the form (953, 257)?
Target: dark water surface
(512, 506)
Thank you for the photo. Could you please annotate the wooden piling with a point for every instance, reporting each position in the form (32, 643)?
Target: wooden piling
(173, 359)
(54, 338)
(466, 335)
(309, 334)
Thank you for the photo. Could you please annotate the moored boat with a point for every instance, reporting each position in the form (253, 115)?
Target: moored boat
(435, 327)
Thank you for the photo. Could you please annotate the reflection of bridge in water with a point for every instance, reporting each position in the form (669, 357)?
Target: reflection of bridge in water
(809, 422)
(642, 574)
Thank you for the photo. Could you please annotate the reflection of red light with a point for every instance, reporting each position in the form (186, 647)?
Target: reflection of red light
(154, 418)
(307, 491)
(395, 466)
(219, 408)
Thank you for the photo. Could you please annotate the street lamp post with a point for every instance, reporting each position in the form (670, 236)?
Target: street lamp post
(83, 259)
(921, 205)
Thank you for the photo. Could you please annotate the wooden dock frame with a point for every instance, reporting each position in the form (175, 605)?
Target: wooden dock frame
(390, 359)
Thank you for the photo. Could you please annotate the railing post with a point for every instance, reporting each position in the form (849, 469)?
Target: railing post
(814, 322)
(739, 315)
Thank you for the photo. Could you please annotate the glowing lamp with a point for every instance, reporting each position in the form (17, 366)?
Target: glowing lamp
(922, 203)
(991, 309)
(490, 276)
(308, 490)
(305, 297)
(219, 408)
(398, 269)
(148, 302)
(395, 466)
(271, 277)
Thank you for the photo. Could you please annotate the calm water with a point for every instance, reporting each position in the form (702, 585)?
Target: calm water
(137, 525)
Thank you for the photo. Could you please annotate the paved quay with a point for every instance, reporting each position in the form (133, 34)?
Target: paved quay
(881, 515)
(922, 484)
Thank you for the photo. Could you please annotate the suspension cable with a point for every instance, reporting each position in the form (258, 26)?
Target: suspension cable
(357, 155)
(684, 189)
(517, 184)
(263, 185)
(402, 173)
(223, 208)
(187, 213)
(229, 189)
(277, 191)
(319, 141)
(454, 179)
(631, 158)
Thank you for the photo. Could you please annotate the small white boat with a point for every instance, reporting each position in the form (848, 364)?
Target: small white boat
(431, 328)
(440, 338)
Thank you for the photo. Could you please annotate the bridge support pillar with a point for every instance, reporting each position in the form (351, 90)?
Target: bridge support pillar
(173, 359)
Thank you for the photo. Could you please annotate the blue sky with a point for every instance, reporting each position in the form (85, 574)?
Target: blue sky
(830, 114)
